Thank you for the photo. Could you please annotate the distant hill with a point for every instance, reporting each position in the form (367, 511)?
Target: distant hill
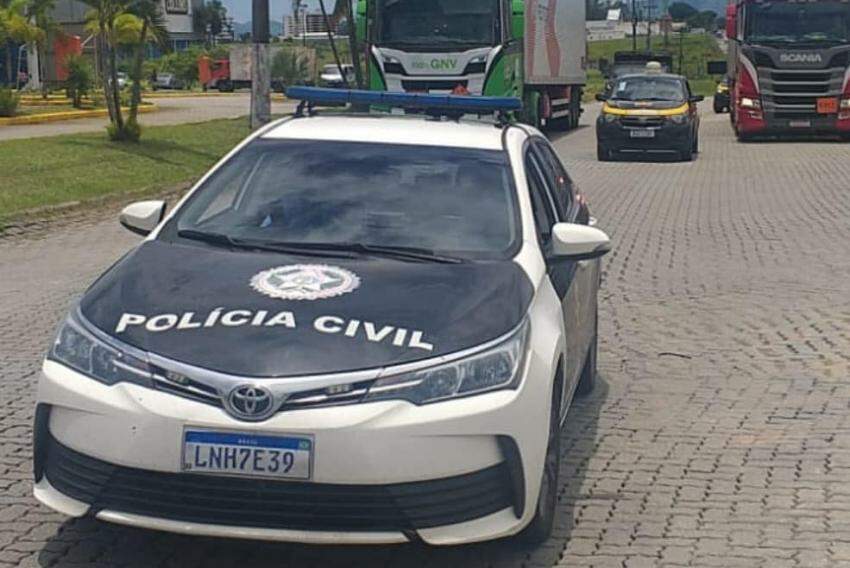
(240, 28)
(718, 6)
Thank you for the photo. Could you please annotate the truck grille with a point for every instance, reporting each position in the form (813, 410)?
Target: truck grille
(432, 85)
(790, 93)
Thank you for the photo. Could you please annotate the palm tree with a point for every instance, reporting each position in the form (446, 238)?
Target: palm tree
(149, 13)
(102, 19)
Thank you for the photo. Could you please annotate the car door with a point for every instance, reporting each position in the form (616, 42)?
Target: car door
(561, 272)
(585, 281)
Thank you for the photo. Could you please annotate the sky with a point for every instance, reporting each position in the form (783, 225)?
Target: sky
(240, 10)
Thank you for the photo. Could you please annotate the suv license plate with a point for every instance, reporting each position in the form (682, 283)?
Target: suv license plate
(253, 455)
(800, 123)
(643, 133)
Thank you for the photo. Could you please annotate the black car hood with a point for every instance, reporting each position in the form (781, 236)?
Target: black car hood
(211, 307)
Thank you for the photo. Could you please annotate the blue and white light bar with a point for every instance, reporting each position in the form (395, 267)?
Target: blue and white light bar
(456, 103)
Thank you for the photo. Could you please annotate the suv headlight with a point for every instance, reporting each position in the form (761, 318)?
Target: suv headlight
(496, 368)
(608, 117)
(78, 348)
(679, 118)
(748, 102)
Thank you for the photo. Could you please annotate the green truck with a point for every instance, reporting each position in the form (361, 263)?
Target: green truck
(535, 50)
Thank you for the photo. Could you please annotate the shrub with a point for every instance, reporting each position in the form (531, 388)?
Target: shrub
(8, 102)
(131, 132)
(80, 79)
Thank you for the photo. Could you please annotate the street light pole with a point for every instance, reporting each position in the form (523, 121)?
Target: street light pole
(261, 79)
(634, 26)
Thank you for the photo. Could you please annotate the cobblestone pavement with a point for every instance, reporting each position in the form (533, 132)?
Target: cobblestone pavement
(719, 437)
(170, 111)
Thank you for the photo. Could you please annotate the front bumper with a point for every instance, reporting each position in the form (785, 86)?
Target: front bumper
(668, 138)
(772, 124)
(447, 473)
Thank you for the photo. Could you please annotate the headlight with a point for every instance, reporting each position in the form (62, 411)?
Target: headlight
(608, 117)
(747, 102)
(81, 350)
(393, 65)
(679, 118)
(845, 103)
(496, 368)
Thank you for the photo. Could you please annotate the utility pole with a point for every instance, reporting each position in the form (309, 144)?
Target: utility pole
(634, 26)
(648, 26)
(261, 76)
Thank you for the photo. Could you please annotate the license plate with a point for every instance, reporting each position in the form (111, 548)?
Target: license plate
(800, 123)
(642, 133)
(254, 455)
(827, 105)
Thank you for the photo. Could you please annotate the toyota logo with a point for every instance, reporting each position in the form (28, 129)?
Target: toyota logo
(248, 402)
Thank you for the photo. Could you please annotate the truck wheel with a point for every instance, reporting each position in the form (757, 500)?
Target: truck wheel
(540, 528)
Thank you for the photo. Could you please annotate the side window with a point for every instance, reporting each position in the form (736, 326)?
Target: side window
(544, 216)
(559, 181)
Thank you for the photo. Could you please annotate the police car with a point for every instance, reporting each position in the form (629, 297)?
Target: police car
(353, 329)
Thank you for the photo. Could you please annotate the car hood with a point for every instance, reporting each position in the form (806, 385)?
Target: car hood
(235, 311)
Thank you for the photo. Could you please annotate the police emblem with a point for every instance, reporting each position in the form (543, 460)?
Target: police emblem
(305, 282)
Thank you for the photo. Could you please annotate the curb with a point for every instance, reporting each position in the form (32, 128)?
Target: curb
(184, 95)
(66, 115)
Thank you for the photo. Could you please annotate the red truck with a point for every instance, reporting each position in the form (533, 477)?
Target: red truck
(789, 67)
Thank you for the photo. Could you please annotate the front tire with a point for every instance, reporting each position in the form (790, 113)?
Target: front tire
(540, 528)
(602, 154)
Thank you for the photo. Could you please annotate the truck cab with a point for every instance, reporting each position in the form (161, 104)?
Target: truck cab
(505, 48)
(789, 67)
(444, 46)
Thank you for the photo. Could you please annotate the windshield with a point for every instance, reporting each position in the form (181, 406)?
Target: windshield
(798, 23)
(449, 200)
(649, 89)
(438, 23)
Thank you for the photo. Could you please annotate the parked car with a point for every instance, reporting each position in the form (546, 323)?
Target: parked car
(354, 329)
(647, 114)
(167, 81)
(333, 79)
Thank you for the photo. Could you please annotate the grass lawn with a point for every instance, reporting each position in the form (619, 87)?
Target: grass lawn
(49, 171)
(697, 50)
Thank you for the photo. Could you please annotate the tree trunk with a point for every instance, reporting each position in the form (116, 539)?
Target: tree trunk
(352, 44)
(116, 93)
(136, 96)
(101, 58)
(10, 73)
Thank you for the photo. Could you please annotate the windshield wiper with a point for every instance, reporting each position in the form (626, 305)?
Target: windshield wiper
(409, 253)
(207, 237)
(246, 244)
(400, 252)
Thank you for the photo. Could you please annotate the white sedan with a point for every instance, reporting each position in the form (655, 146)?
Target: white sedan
(354, 329)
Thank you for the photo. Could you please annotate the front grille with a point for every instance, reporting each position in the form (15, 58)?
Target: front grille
(425, 85)
(794, 92)
(642, 121)
(277, 504)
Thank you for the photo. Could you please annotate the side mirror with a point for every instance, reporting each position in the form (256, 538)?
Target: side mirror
(579, 242)
(143, 217)
(601, 97)
(697, 99)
